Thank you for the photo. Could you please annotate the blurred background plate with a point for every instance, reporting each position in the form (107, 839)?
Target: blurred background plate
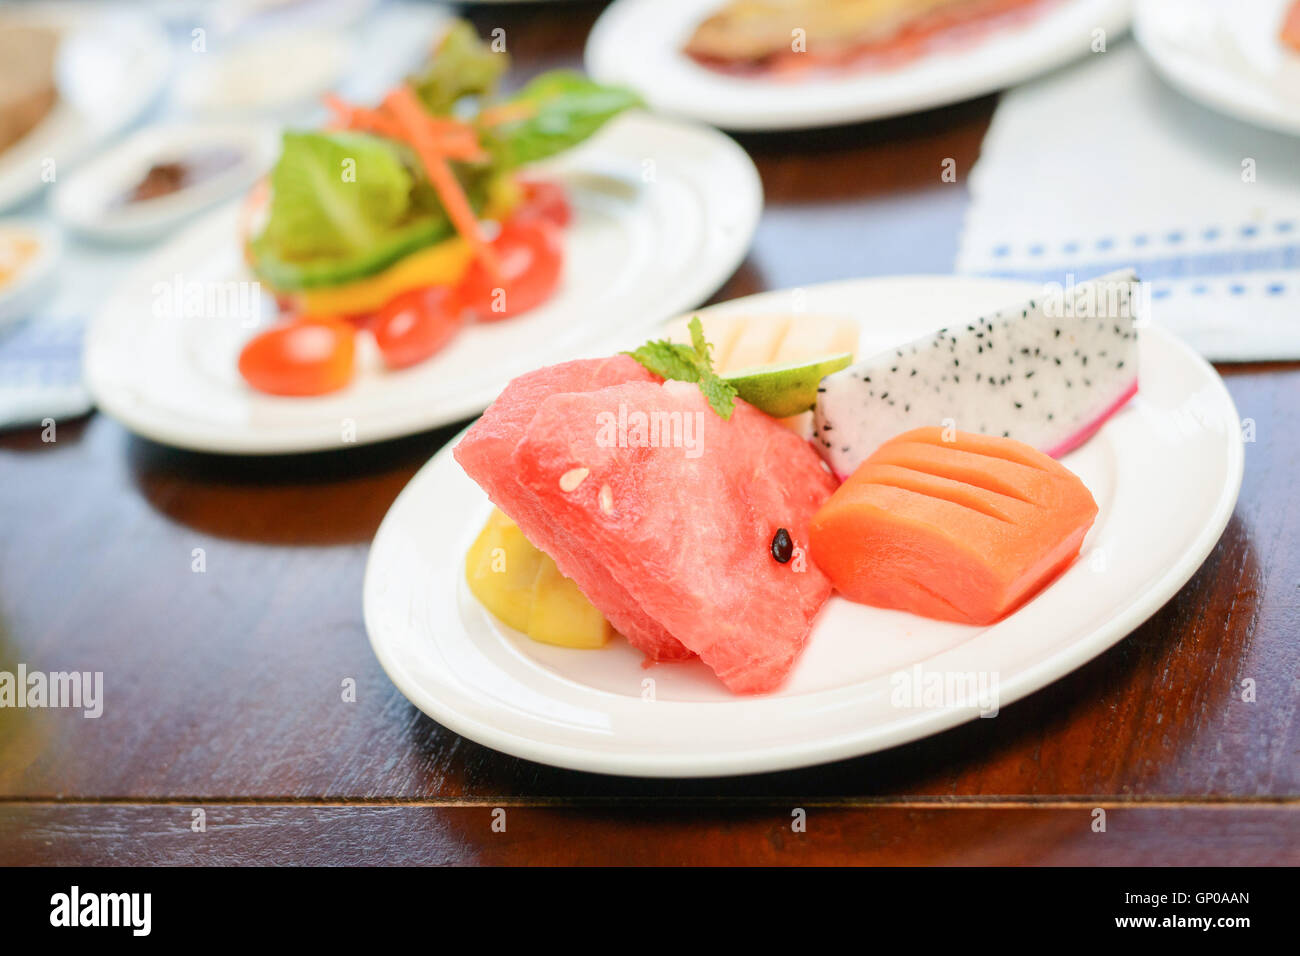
(639, 43)
(109, 65)
(663, 214)
(206, 162)
(1225, 55)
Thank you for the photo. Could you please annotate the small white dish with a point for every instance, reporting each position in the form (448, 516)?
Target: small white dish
(639, 43)
(110, 66)
(93, 200)
(1165, 473)
(32, 281)
(270, 75)
(663, 214)
(1225, 55)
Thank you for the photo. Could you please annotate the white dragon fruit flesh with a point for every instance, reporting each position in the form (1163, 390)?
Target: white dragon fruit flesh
(1048, 371)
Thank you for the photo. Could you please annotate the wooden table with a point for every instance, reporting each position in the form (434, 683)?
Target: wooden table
(222, 688)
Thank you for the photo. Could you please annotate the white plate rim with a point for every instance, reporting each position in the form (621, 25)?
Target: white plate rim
(1211, 84)
(147, 422)
(603, 51)
(925, 723)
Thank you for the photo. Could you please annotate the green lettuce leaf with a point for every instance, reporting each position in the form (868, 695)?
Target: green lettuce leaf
(462, 65)
(343, 205)
(335, 193)
(564, 109)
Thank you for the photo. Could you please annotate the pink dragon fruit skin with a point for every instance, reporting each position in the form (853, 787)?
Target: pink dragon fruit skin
(1048, 371)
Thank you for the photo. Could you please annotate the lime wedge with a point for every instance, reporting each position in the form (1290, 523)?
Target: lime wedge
(787, 389)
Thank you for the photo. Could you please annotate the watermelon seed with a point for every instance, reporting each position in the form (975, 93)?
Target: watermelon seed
(606, 499)
(782, 546)
(573, 477)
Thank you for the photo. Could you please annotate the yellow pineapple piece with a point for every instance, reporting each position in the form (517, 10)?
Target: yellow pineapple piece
(747, 341)
(501, 568)
(814, 336)
(523, 587)
(721, 331)
(562, 614)
(758, 342)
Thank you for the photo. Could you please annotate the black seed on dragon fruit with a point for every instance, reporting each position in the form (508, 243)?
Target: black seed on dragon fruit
(1089, 326)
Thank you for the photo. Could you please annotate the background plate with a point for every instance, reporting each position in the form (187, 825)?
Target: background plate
(1225, 55)
(1165, 473)
(639, 43)
(663, 214)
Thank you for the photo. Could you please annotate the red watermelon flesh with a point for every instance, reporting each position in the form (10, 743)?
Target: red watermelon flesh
(485, 454)
(689, 539)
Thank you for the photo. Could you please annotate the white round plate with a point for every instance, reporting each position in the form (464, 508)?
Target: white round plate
(663, 214)
(639, 43)
(90, 201)
(1165, 473)
(1225, 55)
(110, 66)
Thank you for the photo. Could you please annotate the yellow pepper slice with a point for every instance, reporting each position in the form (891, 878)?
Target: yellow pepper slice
(443, 263)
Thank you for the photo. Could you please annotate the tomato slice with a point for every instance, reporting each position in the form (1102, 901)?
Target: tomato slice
(544, 200)
(300, 357)
(530, 255)
(416, 324)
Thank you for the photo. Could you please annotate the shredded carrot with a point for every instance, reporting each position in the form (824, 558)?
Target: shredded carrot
(435, 140)
(410, 115)
(454, 139)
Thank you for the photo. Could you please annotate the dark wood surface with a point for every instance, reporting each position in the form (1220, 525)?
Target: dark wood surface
(222, 688)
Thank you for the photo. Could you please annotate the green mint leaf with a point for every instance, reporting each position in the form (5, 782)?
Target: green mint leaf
(721, 395)
(668, 360)
(702, 348)
(690, 363)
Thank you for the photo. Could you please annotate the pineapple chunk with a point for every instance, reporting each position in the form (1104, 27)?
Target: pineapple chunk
(523, 587)
(721, 331)
(501, 567)
(562, 614)
(747, 341)
(812, 336)
(758, 342)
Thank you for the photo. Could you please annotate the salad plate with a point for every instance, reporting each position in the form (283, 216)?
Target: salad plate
(1164, 472)
(643, 44)
(1230, 57)
(663, 213)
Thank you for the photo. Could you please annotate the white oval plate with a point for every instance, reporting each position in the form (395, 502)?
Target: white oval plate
(89, 201)
(110, 66)
(1165, 473)
(663, 214)
(1225, 55)
(639, 43)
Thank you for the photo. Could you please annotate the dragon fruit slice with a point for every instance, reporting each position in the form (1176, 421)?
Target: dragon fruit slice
(1048, 371)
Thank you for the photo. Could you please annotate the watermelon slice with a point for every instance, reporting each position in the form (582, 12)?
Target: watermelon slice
(485, 453)
(685, 530)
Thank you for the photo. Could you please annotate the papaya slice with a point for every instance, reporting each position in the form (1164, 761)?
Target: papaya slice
(965, 529)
